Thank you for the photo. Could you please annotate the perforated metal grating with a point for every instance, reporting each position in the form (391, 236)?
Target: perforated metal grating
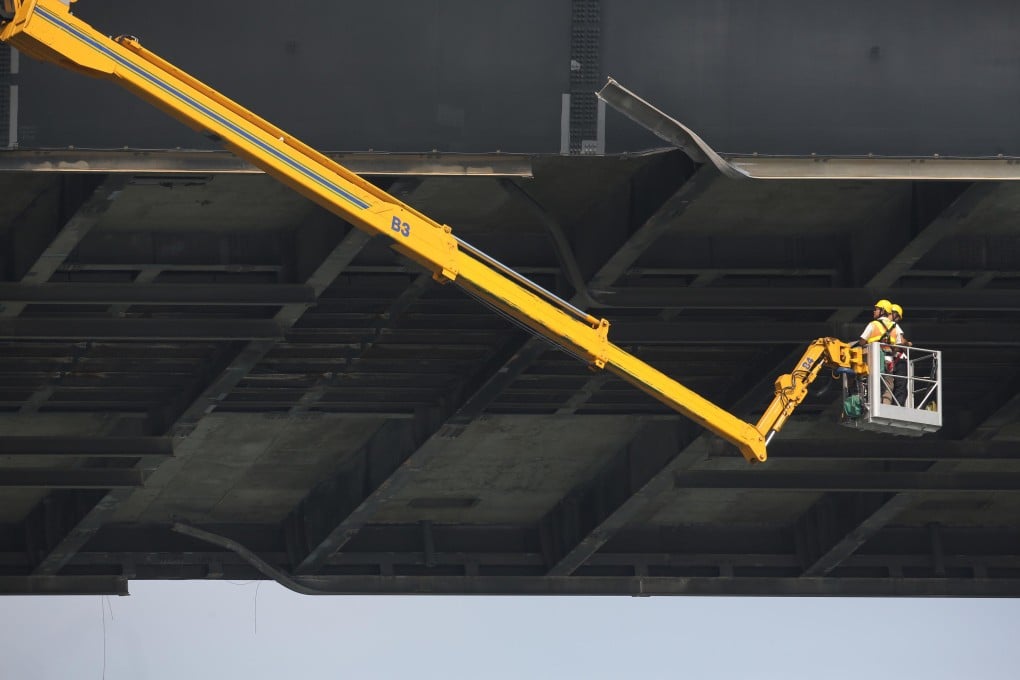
(585, 71)
(5, 95)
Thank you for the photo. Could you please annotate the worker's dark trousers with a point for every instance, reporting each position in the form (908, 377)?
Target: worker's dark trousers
(900, 383)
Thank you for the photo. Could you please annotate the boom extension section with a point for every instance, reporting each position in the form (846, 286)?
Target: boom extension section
(792, 388)
(46, 30)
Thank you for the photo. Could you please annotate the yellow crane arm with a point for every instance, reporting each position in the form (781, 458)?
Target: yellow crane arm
(792, 388)
(46, 30)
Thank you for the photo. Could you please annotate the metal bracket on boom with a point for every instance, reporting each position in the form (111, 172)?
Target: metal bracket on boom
(603, 355)
(449, 272)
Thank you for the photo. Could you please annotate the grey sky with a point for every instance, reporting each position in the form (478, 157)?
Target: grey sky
(207, 629)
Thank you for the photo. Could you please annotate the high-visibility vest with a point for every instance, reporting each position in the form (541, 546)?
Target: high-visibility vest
(879, 331)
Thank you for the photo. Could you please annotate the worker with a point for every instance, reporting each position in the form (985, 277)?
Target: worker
(900, 357)
(896, 314)
(881, 329)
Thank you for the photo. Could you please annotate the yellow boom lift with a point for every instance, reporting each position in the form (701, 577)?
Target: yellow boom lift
(48, 31)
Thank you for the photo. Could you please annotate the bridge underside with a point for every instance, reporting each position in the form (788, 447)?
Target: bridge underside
(203, 376)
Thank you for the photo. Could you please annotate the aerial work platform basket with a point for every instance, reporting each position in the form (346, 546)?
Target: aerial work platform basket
(902, 395)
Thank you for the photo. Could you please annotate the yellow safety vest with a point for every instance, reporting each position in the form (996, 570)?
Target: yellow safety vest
(876, 336)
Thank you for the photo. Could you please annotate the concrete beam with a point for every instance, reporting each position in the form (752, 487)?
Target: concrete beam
(912, 299)
(78, 478)
(183, 163)
(892, 450)
(660, 586)
(156, 294)
(105, 447)
(63, 585)
(975, 333)
(139, 329)
(629, 332)
(884, 481)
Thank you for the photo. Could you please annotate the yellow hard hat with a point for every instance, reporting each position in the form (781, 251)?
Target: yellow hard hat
(885, 306)
(896, 309)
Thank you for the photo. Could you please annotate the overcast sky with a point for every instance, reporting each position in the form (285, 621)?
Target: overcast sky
(210, 629)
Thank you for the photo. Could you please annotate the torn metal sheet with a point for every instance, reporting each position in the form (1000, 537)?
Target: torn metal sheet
(754, 166)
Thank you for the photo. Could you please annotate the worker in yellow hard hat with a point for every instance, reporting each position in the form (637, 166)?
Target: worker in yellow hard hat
(896, 314)
(880, 330)
(900, 357)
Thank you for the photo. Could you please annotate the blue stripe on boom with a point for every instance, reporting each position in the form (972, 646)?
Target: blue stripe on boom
(310, 174)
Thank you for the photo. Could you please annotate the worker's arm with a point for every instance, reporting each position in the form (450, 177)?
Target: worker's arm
(866, 335)
(46, 30)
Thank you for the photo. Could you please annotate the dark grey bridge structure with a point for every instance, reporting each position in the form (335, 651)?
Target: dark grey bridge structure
(204, 376)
